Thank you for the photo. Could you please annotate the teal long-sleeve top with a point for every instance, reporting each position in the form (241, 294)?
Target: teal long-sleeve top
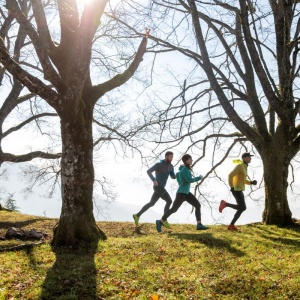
(184, 179)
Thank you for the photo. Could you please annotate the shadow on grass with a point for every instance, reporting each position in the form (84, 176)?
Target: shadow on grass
(293, 227)
(210, 241)
(6, 225)
(73, 275)
(268, 234)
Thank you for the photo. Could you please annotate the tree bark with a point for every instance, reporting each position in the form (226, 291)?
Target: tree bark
(77, 223)
(276, 158)
(276, 204)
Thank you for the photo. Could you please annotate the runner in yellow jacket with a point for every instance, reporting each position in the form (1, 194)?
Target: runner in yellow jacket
(237, 179)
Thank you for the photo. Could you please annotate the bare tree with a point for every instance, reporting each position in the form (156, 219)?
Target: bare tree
(65, 59)
(249, 52)
(18, 100)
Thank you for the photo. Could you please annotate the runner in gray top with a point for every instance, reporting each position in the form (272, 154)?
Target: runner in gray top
(162, 170)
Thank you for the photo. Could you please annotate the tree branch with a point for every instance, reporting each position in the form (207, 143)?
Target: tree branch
(232, 114)
(8, 157)
(41, 49)
(118, 80)
(272, 97)
(42, 27)
(15, 128)
(35, 85)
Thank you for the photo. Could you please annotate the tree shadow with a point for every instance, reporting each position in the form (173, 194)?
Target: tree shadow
(6, 225)
(210, 241)
(293, 228)
(73, 275)
(283, 241)
(269, 235)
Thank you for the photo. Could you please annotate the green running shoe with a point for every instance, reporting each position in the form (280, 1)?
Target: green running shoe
(166, 224)
(136, 220)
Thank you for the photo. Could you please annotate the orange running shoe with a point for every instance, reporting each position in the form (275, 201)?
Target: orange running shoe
(222, 205)
(232, 227)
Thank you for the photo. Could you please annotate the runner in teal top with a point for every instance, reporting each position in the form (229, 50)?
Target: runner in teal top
(184, 179)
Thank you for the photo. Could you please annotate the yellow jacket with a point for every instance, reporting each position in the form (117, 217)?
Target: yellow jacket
(237, 178)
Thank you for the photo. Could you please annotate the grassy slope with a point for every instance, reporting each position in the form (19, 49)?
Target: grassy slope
(260, 262)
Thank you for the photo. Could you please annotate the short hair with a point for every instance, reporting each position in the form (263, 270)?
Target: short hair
(168, 153)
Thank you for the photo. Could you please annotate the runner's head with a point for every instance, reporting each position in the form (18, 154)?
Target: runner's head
(169, 156)
(187, 160)
(246, 157)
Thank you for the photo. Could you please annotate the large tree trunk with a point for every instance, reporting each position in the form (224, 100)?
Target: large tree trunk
(77, 222)
(276, 163)
(277, 209)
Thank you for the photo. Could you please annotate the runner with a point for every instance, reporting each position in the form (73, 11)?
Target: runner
(237, 179)
(162, 170)
(184, 179)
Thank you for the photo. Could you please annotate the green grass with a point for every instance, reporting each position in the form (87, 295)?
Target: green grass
(260, 262)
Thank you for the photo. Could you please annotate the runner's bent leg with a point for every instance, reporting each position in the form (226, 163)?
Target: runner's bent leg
(165, 196)
(191, 199)
(158, 190)
(240, 207)
(180, 198)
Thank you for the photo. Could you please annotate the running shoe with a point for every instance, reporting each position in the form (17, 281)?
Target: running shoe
(232, 227)
(201, 227)
(136, 220)
(166, 224)
(222, 205)
(158, 225)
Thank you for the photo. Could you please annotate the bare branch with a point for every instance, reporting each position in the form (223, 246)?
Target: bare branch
(120, 79)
